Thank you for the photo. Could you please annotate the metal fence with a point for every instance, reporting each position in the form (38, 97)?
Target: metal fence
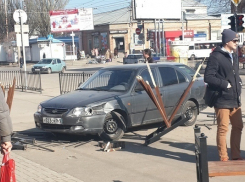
(70, 81)
(24, 80)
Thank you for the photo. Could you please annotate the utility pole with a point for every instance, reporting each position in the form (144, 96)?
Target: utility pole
(6, 18)
(131, 24)
(182, 14)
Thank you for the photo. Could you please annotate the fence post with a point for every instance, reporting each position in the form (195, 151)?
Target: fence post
(40, 82)
(21, 80)
(60, 81)
(83, 77)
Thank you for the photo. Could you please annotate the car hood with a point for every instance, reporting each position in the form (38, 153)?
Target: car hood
(79, 98)
(40, 65)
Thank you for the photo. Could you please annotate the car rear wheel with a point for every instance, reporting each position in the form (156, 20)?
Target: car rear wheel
(193, 57)
(190, 109)
(49, 71)
(114, 127)
(63, 70)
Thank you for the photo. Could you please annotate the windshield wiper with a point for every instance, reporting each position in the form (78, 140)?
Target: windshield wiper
(98, 89)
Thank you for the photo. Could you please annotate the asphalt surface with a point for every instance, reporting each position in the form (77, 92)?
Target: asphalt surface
(79, 158)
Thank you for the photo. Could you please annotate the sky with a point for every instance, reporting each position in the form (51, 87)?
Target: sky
(98, 5)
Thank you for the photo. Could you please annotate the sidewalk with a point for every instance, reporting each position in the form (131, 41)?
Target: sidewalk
(28, 171)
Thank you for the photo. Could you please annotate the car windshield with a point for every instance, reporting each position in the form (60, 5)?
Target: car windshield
(187, 70)
(118, 80)
(45, 61)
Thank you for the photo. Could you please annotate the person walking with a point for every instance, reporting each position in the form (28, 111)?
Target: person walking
(21, 61)
(147, 55)
(115, 53)
(6, 128)
(222, 75)
(107, 55)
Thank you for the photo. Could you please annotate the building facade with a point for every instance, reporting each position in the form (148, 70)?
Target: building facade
(116, 30)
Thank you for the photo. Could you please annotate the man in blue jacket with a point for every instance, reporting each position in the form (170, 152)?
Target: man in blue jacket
(222, 74)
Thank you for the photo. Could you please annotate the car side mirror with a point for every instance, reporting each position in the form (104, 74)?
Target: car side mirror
(138, 87)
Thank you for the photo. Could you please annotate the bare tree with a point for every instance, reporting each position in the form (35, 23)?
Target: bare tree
(37, 13)
(222, 6)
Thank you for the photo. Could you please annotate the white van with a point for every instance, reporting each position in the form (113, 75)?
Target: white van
(202, 49)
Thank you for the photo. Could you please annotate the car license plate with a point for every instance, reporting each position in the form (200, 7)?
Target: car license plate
(37, 69)
(52, 120)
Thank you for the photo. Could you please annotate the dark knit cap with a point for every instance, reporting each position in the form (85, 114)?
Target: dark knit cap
(228, 35)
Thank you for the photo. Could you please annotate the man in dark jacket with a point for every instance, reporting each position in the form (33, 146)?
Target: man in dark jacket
(5, 125)
(222, 74)
(147, 55)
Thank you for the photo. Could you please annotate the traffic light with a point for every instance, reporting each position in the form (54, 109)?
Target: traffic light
(232, 22)
(239, 19)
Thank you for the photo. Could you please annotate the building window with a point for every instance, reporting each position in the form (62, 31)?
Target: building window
(96, 42)
(190, 11)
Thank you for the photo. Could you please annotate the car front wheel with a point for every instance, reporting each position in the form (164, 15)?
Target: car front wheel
(49, 70)
(190, 109)
(114, 127)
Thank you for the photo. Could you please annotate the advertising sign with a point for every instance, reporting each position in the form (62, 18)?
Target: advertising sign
(71, 20)
(157, 9)
(104, 43)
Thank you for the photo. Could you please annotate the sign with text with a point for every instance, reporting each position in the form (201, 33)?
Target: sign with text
(188, 33)
(157, 9)
(71, 20)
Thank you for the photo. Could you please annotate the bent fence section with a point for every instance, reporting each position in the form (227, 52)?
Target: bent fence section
(24, 80)
(71, 81)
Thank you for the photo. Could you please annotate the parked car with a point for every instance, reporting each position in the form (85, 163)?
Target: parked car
(134, 58)
(138, 58)
(112, 101)
(49, 65)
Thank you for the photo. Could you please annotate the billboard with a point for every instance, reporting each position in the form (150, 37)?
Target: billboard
(157, 9)
(71, 20)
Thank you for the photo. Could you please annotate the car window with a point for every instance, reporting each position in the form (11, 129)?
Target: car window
(181, 77)
(54, 61)
(138, 56)
(45, 61)
(130, 56)
(168, 76)
(110, 80)
(187, 70)
(146, 76)
(58, 60)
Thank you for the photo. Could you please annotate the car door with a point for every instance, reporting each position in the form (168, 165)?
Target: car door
(54, 65)
(59, 65)
(143, 109)
(172, 85)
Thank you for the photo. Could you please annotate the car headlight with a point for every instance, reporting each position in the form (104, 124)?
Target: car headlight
(87, 111)
(39, 108)
(81, 111)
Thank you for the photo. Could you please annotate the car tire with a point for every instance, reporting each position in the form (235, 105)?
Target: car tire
(49, 71)
(193, 57)
(63, 70)
(113, 128)
(190, 109)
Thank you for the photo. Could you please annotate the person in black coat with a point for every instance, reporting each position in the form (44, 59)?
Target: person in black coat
(147, 55)
(222, 75)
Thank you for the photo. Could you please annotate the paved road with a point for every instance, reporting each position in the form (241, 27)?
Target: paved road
(167, 160)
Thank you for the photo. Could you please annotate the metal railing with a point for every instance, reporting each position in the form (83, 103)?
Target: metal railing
(70, 81)
(24, 80)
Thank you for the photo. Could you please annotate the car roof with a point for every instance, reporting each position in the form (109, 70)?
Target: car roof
(50, 58)
(142, 65)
